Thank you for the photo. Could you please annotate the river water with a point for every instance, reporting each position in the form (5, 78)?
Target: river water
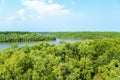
(20, 44)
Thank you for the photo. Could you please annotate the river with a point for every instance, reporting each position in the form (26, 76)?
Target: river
(20, 44)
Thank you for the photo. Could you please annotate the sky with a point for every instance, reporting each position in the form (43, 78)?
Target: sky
(59, 15)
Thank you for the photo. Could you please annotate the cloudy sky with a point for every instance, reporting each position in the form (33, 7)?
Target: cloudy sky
(59, 15)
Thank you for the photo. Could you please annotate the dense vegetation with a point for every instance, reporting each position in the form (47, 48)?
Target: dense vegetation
(86, 35)
(89, 60)
(24, 36)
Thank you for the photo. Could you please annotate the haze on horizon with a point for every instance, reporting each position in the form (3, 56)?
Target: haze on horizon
(59, 15)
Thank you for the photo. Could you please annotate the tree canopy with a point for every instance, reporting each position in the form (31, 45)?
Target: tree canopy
(89, 60)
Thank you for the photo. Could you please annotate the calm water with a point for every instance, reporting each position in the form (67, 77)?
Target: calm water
(57, 41)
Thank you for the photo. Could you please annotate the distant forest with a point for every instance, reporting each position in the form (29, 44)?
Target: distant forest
(24, 37)
(86, 35)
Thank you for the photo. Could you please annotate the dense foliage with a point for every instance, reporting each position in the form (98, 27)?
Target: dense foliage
(86, 35)
(23, 36)
(89, 60)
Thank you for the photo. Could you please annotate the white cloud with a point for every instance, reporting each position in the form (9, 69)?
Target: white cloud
(21, 14)
(39, 10)
(44, 7)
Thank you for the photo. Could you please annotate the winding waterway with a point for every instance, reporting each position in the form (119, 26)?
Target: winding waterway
(20, 44)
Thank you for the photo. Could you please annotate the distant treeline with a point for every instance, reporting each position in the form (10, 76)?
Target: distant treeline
(86, 35)
(24, 36)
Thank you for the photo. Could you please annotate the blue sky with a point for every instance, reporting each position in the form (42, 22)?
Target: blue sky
(59, 15)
